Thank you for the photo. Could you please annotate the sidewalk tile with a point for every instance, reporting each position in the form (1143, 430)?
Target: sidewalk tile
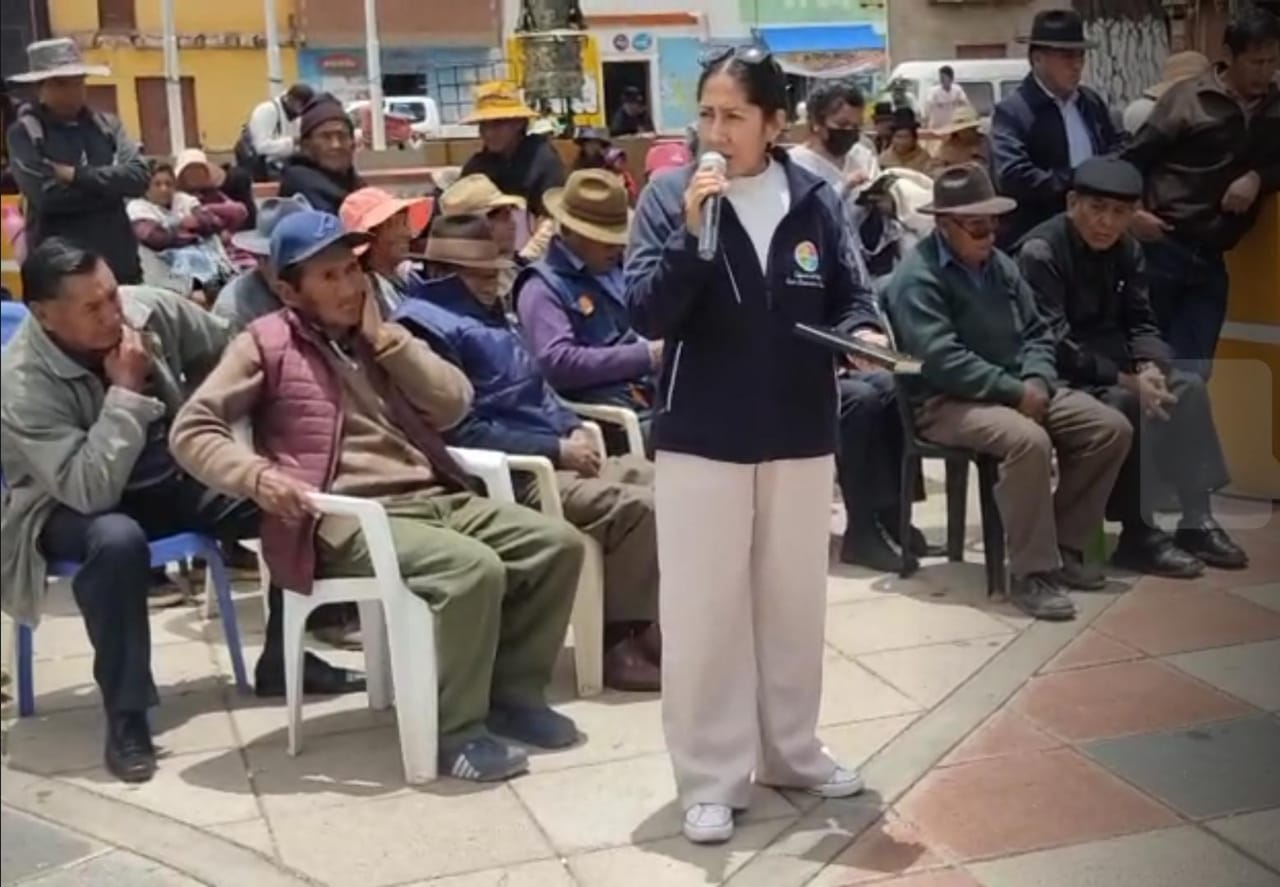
(1090, 648)
(1250, 671)
(265, 722)
(63, 684)
(617, 726)
(1257, 833)
(674, 862)
(207, 788)
(1206, 771)
(1160, 621)
(902, 622)
(624, 802)
(1177, 856)
(851, 693)
(1115, 700)
(252, 833)
(416, 837)
(1004, 733)
(891, 846)
(32, 846)
(1026, 802)
(854, 744)
(1265, 595)
(940, 878)
(119, 868)
(547, 873)
(930, 674)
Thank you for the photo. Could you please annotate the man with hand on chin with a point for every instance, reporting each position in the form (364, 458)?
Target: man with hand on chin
(345, 403)
(1091, 283)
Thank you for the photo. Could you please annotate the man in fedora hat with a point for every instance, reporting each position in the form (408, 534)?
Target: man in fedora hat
(572, 307)
(475, 195)
(517, 412)
(76, 167)
(991, 384)
(1208, 154)
(518, 163)
(252, 293)
(1049, 125)
(341, 401)
(963, 141)
(1088, 275)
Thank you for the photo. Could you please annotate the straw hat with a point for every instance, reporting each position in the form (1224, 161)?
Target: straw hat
(1177, 67)
(964, 118)
(59, 57)
(194, 157)
(476, 195)
(498, 100)
(592, 203)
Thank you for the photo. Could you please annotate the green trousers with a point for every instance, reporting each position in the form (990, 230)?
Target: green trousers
(501, 579)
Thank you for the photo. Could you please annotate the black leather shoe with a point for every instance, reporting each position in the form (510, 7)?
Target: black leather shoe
(1039, 596)
(1076, 573)
(918, 545)
(1154, 553)
(319, 678)
(130, 755)
(871, 550)
(1212, 545)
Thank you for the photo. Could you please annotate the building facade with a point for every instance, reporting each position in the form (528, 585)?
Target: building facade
(926, 30)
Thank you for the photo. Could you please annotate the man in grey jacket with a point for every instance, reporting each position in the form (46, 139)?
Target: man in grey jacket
(88, 386)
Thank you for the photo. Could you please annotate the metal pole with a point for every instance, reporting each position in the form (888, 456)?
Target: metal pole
(373, 65)
(172, 79)
(275, 73)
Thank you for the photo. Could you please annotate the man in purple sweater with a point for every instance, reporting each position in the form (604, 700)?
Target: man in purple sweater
(571, 305)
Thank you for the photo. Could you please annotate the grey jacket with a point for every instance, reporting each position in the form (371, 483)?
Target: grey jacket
(66, 439)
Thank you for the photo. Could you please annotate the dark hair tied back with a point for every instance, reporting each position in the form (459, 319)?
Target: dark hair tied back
(756, 71)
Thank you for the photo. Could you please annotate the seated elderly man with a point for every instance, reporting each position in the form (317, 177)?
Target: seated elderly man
(91, 381)
(571, 305)
(990, 384)
(517, 412)
(476, 195)
(1089, 277)
(344, 403)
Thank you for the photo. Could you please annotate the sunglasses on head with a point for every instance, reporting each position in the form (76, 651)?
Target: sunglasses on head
(753, 54)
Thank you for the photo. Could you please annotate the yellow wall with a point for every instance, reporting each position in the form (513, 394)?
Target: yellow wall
(228, 82)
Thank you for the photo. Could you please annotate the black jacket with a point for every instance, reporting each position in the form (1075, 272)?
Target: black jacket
(323, 189)
(737, 384)
(529, 173)
(110, 170)
(1030, 156)
(1095, 303)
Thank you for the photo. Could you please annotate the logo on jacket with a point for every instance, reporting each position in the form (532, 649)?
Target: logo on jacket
(806, 256)
(585, 305)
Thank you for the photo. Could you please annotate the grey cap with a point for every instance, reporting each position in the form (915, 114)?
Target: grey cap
(1108, 177)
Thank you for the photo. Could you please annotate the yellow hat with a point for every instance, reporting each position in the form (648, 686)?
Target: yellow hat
(498, 100)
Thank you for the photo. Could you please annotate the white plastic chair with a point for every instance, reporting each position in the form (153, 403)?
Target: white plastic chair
(588, 601)
(614, 415)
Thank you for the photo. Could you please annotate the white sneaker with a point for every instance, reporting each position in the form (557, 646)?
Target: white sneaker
(708, 823)
(843, 783)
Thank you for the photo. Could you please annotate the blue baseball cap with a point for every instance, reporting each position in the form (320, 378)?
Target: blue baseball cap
(300, 235)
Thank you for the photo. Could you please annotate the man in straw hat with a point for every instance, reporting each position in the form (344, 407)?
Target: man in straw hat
(341, 401)
(572, 305)
(476, 195)
(517, 412)
(1089, 278)
(963, 141)
(990, 384)
(1049, 125)
(76, 167)
(518, 163)
(1177, 67)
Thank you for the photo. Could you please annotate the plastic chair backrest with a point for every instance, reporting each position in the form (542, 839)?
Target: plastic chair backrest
(11, 316)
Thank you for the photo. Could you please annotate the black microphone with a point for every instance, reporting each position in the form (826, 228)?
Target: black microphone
(709, 236)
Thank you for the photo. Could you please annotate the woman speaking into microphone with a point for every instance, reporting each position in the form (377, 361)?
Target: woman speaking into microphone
(745, 432)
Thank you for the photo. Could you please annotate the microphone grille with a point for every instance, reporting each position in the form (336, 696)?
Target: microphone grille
(713, 160)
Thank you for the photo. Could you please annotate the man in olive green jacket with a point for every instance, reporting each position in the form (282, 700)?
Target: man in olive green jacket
(88, 386)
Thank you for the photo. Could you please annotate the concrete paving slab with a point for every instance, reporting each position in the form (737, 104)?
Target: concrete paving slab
(548, 873)
(1178, 857)
(852, 693)
(900, 622)
(1264, 595)
(31, 846)
(1249, 671)
(1256, 833)
(1207, 771)
(929, 674)
(119, 868)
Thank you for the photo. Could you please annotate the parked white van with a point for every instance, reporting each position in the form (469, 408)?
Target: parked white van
(985, 81)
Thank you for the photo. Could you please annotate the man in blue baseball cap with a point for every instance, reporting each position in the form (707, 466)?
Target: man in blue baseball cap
(343, 402)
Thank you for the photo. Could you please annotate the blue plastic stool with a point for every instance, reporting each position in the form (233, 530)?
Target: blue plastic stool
(163, 551)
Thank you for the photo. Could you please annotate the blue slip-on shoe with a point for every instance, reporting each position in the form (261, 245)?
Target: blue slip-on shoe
(540, 727)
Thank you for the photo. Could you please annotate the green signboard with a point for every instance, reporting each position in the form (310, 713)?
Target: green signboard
(799, 12)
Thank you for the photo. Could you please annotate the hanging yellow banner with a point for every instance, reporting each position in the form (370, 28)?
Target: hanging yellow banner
(590, 110)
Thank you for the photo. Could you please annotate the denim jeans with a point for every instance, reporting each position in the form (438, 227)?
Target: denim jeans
(1189, 287)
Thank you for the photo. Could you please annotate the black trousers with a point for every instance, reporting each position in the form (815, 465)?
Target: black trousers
(1183, 452)
(111, 586)
(869, 457)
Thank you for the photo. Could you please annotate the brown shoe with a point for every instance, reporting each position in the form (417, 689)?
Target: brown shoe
(626, 667)
(651, 643)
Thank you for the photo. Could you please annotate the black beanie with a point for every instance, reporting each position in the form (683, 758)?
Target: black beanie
(319, 111)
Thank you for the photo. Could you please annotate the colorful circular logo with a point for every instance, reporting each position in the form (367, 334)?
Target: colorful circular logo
(807, 256)
(642, 42)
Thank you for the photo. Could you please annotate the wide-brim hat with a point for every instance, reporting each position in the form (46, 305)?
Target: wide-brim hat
(59, 57)
(499, 101)
(967, 191)
(592, 134)
(1178, 67)
(592, 203)
(477, 195)
(964, 118)
(1058, 29)
(194, 157)
(257, 240)
(465, 252)
(367, 208)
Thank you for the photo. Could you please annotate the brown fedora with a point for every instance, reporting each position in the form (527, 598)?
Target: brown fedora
(592, 203)
(967, 191)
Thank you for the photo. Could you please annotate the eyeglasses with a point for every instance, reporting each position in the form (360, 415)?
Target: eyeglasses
(977, 227)
(752, 54)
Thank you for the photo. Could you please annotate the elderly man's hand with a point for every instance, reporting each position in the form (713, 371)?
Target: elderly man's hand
(283, 496)
(1242, 193)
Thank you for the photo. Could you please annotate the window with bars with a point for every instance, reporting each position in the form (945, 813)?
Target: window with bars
(454, 85)
(117, 15)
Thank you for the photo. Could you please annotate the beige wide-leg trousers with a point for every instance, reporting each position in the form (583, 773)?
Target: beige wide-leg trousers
(742, 551)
